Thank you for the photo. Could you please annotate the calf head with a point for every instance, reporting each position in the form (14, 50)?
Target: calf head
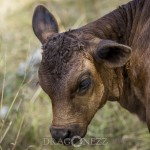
(72, 73)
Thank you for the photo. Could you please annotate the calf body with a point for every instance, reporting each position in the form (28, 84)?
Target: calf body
(107, 59)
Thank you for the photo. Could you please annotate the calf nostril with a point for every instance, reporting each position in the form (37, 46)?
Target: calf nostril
(65, 134)
(59, 133)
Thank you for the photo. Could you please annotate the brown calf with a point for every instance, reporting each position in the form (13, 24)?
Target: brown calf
(107, 59)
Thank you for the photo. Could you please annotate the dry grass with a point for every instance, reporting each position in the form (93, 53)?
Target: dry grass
(29, 109)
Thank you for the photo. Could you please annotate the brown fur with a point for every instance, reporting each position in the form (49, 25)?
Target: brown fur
(82, 53)
(130, 25)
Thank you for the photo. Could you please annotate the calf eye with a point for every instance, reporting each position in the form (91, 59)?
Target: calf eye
(84, 85)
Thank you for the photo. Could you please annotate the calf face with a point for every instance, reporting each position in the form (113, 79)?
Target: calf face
(72, 73)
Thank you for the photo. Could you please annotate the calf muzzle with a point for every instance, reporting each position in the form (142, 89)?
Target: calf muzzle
(66, 134)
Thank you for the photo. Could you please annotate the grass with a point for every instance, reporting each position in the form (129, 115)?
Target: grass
(29, 109)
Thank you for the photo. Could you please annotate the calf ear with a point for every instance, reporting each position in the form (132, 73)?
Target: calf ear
(43, 23)
(112, 54)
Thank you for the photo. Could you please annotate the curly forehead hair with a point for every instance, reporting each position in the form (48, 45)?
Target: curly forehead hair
(58, 51)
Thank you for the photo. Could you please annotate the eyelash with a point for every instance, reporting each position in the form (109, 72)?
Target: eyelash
(84, 85)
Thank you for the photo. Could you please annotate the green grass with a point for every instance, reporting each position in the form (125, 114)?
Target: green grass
(28, 119)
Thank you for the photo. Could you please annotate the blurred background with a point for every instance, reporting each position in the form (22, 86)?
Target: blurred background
(25, 110)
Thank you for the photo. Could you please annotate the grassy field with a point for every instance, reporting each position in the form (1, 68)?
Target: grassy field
(28, 114)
